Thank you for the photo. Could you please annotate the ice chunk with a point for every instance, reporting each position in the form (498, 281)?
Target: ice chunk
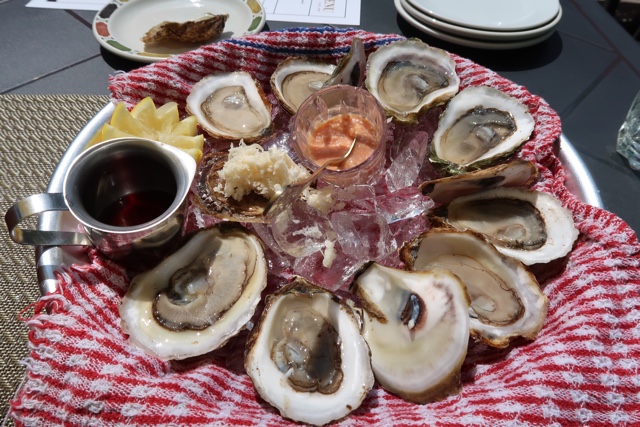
(279, 261)
(301, 230)
(338, 276)
(411, 152)
(365, 236)
(406, 203)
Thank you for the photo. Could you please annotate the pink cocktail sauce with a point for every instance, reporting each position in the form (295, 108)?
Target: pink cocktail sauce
(332, 138)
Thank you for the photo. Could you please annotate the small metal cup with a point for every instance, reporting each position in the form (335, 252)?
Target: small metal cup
(96, 190)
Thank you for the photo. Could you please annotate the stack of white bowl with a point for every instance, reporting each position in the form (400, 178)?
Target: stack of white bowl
(486, 24)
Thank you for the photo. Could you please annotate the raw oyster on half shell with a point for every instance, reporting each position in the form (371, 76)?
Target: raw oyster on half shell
(306, 355)
(417, 326)
(296, 78)
(506, 300)
(409, 76)
(531, 226)
(480, 126)
(198, 297)
(231, 106)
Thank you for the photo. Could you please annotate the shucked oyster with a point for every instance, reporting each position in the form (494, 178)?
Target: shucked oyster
(531, 226)
(198, 297)
(231, 106)
(417, 326)
(409, 76)
(296, 78)
(480, 126)
(506, 300)
(307, 357)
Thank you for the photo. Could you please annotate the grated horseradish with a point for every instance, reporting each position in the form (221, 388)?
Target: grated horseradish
(251, 168)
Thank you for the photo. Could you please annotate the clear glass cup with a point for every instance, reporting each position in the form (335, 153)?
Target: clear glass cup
(340, 113)
(628, 143)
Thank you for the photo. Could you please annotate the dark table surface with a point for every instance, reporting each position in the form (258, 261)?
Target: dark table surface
(588, 71)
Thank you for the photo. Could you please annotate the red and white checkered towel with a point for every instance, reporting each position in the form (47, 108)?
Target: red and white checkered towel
(583, 369)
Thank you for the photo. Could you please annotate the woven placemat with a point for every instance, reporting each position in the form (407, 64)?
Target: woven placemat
(35, 130)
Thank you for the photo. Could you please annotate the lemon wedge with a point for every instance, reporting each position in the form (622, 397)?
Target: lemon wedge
(160, 124)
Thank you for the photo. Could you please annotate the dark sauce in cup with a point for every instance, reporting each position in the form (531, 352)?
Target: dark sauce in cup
(136, 208)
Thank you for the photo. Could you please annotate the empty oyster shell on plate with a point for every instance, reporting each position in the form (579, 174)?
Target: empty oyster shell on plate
(480, 127)
(306, 355)
(506, 300)
(207, 27)
(409, 76)
(197, 298)
(417, 326)
(231, 106)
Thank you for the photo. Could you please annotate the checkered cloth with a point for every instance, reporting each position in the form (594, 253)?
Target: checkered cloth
(581, 370)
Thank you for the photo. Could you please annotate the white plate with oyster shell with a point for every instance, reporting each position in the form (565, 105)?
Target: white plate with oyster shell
(121, 25)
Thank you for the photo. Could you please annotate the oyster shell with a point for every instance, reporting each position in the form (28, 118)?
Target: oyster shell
(480, 126)
(307, 357)
(237, 185)
(351, 69)
(296, 78)
(409, 76)
(518, 173)
(506, 300)
(417, 326)
(231, 106)
(207, 27)
(198, 297)
(531, 226)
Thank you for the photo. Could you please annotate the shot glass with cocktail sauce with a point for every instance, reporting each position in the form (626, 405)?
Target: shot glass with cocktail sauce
(326, 124)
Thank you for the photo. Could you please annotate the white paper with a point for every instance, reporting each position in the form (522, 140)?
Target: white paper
(69, 4)
(332, 12)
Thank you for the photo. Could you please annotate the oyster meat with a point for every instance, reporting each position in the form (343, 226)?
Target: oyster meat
(306, 355)
(198, 297)
(480, 126)
(296, 78)
(506, 300)
(231, 106)
(409, 76)
(417, 326)
(531, 226)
